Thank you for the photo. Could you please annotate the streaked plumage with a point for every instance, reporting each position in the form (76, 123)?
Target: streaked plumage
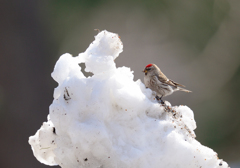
(158, 82)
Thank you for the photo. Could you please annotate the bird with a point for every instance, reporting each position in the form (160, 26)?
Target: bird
(158, 82)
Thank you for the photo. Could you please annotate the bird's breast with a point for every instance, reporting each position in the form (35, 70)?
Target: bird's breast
(146, 81)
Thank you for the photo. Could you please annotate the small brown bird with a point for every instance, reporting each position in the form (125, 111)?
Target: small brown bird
(158, 82)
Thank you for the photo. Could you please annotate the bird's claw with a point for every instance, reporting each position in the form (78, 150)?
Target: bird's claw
(162, 102)
(159, 99)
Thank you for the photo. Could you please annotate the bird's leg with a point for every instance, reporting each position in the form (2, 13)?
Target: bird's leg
(162, 102)
(160, 99)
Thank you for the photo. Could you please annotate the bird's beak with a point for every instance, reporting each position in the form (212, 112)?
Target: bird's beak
(145, 71)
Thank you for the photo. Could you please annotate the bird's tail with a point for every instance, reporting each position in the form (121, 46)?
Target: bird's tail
(184, 90)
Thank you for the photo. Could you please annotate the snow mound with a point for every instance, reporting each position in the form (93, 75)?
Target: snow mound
(108, 120)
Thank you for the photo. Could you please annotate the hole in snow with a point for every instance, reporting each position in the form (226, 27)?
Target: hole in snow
(85, 159)
(87, 74)
(54, 130)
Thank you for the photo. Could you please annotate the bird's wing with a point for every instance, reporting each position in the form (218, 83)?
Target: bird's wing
(165, 81)
(176, 84)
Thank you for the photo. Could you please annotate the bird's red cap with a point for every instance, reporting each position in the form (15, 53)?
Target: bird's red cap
(149, 65)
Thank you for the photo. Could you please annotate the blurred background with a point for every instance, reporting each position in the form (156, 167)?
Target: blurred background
(195, 43)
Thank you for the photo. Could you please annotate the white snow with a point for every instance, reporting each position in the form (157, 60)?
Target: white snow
(110, 121)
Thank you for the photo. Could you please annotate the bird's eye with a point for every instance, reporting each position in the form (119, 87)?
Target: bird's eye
(148, 68)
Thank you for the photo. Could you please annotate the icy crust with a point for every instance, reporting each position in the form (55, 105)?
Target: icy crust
(110, 121)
